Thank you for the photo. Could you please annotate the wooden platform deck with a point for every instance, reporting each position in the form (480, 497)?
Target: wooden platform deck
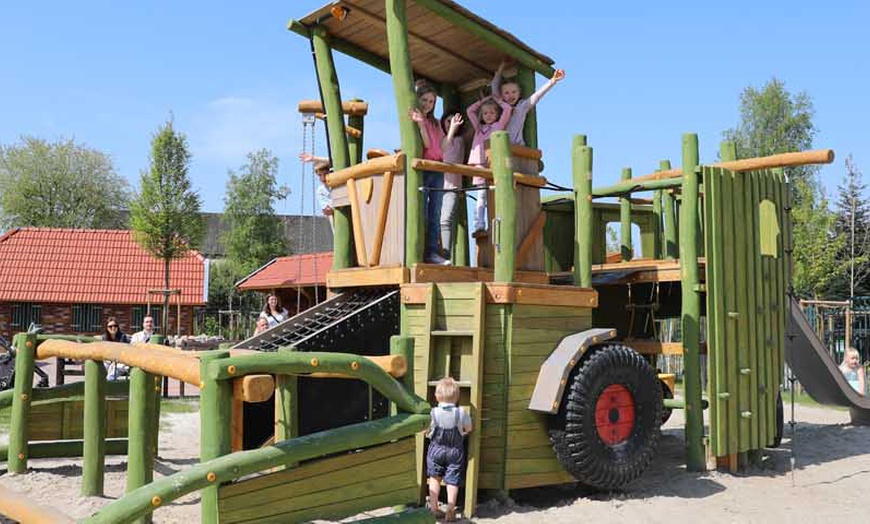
(640, 271)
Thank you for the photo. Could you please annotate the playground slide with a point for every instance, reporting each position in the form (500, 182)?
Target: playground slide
(817, 371)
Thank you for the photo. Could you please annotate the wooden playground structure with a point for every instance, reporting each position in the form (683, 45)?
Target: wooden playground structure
(550, 338)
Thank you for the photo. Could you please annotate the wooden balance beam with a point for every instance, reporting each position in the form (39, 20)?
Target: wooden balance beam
(155, 359)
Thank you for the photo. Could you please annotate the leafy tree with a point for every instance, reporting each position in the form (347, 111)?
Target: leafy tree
(853, 213)
(254, 235)
(816, 243)
(59, 184)
(165, 214)
(773, 120)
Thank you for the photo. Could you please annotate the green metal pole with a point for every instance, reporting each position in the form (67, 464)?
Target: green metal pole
(403, 346)
(691, 314)
(215, 412)
(329, 88)
(403, 86)
(140, 457)
(625, 220)
(287, 404)
(526, 82)
(505, 234)
(156, 403)
(581, 159)
(671, 247)
(355, 143)
(657, 232)
(25, 347)
(94, 430)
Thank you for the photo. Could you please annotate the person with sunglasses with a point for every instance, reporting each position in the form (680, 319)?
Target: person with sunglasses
(113, 333)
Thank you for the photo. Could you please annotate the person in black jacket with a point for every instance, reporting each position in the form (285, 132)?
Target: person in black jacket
(113, 333)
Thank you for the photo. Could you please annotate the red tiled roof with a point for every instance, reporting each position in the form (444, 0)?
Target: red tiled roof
(96, 266)
(297, 270)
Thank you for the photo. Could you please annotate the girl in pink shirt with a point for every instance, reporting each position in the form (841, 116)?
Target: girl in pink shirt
(433, 181)
(486, 116)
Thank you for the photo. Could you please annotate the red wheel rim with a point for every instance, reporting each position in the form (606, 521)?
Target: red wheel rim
(614, 414)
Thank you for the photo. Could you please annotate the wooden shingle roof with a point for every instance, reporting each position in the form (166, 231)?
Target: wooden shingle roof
(441, 51)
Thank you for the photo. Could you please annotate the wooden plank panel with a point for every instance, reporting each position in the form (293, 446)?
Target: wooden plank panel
(315, 468)
(540, 479)
(530, 466)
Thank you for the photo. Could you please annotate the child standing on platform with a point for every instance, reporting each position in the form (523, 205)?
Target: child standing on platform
(486, 116)
(453, 147)
(445, 458)
(510, 92)
(433, 181)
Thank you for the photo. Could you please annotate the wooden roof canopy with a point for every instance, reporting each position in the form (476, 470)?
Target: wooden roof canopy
(448, 43)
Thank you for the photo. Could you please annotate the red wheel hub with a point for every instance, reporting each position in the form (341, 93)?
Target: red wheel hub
(614, 414)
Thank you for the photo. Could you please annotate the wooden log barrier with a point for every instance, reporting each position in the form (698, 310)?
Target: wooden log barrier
(350, 107)
(395, 365)
(18, 507)
(802, 158)
(374, 166)
(471, 171)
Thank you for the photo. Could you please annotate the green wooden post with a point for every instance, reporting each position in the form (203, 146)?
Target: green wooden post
(404, 346)
(94, 430)
(716, 379)
(505, 228)
(625, 220)
(581, 159)
(25, 347)
(215, 433)
(671, 247)
(691, 314)
(158, 399)
(657, 232)
(287, 404)
(526, 81)
(140, 451)
(355, 143)
(403, 86)
(329, 88)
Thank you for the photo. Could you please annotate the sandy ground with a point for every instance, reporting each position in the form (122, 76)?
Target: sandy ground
(831, 475)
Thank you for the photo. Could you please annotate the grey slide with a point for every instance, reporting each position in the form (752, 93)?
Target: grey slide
(817, 371)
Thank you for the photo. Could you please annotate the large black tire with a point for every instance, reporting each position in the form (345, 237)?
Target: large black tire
(780, 421)
(611, 450)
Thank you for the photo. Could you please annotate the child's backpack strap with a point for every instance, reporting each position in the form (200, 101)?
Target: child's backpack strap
(433, 416)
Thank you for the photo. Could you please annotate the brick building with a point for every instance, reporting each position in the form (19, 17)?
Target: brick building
(299, 281)
(71, 280)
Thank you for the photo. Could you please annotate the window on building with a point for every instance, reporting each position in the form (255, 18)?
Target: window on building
(24, 314)
(139, 313)
(87, 318)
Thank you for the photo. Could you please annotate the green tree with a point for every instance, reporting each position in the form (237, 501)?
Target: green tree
(816, 244)
(852, 215)
(164, 215)
(59, 184)
(254, 233)
(773, 120)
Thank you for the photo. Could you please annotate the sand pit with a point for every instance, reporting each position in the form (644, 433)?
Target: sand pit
(832, 470)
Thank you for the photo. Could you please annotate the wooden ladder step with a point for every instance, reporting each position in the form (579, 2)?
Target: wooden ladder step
(452, 333)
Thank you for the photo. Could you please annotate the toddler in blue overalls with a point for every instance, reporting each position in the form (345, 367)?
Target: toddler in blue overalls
(446, 456)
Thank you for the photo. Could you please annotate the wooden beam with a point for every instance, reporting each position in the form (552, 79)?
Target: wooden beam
(394, 365)
(357, 10)
(359, 238)
(374, 166)
(497, 41)
(473, 171)
(654, 347)
(536, 229)
(520, 151)
(383, 210)
(20, 508)
(350, 107)
(360, 277)
(802, 158)
(439, 273)
(350, 130)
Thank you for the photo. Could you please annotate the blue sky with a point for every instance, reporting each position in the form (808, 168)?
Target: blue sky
(640, 74)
